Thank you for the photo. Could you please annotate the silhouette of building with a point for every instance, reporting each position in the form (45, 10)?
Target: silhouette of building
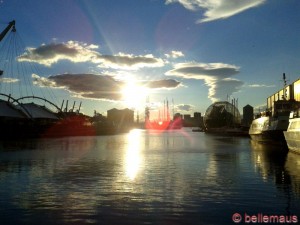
(122, 118)
(196, 121)
(247, 115)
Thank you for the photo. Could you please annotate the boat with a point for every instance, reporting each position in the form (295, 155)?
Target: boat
(292, 134)
(162, 122)
(175, 124)
(269, 126)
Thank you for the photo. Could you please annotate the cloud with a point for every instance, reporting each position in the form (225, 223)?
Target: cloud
(165, 84)
(260, 86)
(8, 80)
(127, 61)
(89, 86)
(218, 9)
(98, 87)
(205, 71)
(174, 54)
(220, 89)
(77, 52)
(184, 107)
(217, 76)
(52, 53)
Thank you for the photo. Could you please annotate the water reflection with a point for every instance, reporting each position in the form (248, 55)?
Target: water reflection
(132, 155)
(269, 161)
(292, 166)
(143, 178)
(277, 165)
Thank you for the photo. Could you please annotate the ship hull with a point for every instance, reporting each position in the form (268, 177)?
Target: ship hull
(293, 140)
(261, 131)
(292, 135)
(270, 136)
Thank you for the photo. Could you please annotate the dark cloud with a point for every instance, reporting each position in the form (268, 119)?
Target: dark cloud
(79, 52)
(93, 86)
(85, 85)
(129, 61)
(52, 53)
(217, 76)
(203, 70)
(90, 85)
(168, 83)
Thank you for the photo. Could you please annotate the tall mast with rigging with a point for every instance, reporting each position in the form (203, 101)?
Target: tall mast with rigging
(11, 25)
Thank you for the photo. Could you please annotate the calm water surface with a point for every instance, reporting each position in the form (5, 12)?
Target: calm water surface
(178, 177)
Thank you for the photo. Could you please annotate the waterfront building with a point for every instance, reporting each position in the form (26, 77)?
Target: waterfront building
(222, 114)
(122, 118)
(288, 92)
(196, 121)
(247, 115)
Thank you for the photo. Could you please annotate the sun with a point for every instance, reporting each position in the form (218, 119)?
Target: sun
(134, 96)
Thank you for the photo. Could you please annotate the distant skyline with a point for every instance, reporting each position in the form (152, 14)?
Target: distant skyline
(116, 53)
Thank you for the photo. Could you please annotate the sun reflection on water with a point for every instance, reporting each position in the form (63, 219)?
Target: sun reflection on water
(133, 157)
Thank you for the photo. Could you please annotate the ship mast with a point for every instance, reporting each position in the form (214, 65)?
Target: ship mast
(11, 25)
(7, 29)
(284, 86)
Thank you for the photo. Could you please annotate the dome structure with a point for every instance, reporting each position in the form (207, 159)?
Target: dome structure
(222, 114)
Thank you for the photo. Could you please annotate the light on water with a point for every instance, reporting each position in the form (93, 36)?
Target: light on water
(146, 177)
(133, 158)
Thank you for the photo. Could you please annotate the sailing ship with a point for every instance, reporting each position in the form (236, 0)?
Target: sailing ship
(269, 126)
(163, 122)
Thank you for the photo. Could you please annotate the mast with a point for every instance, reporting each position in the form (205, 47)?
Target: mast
(62, 105)
(147, 113)
(7, 29)
(168, 113)
(73, 106)
(284, 86)
(79, 107)
(173, 108)
(4, 32)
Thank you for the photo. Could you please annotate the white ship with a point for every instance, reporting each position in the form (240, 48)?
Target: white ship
(270, 125)
(292, 135)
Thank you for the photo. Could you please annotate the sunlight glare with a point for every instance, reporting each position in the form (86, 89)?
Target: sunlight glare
(133, 159)
(134, 96)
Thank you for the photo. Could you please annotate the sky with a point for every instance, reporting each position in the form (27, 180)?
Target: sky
(129, 53)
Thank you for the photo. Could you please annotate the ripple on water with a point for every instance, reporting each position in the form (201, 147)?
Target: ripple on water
(145, 178)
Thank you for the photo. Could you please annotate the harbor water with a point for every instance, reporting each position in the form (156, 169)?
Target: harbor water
(148, 177)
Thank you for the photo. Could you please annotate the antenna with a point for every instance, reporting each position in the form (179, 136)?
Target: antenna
(284, 79)
(284, 96)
